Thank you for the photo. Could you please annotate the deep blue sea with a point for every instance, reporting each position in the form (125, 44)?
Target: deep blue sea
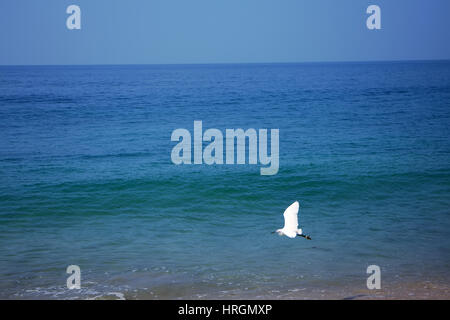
(86, 179)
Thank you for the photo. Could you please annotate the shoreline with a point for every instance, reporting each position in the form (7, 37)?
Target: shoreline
(400, 290)
(425, 290)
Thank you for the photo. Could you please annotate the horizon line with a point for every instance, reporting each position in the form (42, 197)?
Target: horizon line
(223, 63)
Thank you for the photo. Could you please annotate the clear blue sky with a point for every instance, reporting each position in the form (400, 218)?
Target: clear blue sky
(213, 31)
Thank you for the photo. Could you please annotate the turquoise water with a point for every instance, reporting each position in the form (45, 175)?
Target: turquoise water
(86, 178)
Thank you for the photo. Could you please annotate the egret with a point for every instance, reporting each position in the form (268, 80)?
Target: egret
(290, 228)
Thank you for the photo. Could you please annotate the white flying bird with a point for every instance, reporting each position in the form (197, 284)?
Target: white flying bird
(290, 228)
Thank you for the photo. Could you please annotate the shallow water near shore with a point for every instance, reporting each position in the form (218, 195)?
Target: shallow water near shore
(86, 179)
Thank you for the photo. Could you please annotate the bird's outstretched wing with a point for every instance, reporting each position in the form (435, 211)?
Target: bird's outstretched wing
(291, 217)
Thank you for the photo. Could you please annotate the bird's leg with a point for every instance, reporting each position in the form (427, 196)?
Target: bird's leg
(305, 236)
